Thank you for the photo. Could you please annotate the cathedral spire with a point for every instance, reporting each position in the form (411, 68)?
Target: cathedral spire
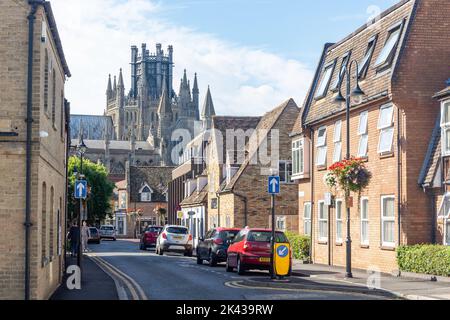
(120, 84)
(109, 88)
(115, 85)
(165, 104)
(185, 82)
(208, 107)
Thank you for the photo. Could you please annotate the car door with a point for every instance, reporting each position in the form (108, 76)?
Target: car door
(233, 249)
(201, 248)
(209, 242)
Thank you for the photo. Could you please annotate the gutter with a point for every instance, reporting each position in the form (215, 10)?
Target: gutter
(29, 120)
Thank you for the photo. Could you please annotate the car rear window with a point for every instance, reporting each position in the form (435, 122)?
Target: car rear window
(229, 234)
(177, 230)
(154, 229)
(107, 228)
(93, 230)
(264, 236)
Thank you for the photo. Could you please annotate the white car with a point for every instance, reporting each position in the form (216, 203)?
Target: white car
(174, 239)
(108, 232)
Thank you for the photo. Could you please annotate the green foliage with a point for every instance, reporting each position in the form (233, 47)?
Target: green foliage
(299, 245)
(427, 259)
(101, 189)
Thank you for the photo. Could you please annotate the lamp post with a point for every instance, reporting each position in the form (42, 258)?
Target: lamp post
(357, 93)
(81, 148)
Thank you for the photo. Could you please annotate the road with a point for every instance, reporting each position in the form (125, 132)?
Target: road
(175, 277)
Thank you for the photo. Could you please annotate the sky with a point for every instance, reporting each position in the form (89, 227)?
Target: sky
(254, 54)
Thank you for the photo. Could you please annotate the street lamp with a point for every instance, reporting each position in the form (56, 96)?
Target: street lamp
(358, 94)
(81, 148)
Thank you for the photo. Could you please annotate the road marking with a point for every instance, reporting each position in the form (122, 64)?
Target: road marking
(135, 289)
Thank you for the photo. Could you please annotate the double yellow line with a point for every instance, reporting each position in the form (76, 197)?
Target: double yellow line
(133, 287)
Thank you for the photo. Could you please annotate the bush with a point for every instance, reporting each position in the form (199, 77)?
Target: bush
(299, 245)
(427, 259)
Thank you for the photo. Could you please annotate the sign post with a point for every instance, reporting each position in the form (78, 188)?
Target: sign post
(80, 194)
(273, 189)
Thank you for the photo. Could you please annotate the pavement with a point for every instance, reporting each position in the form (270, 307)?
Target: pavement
(119, 270)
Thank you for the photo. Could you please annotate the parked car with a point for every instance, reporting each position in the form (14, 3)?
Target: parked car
(94, 235)
(174, 239)
(251, 249)
(149, 237)
(108, 232)
(213, 247)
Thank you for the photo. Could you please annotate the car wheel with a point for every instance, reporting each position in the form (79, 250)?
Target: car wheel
(188, 254)
(228, 268)
(114, 239)
(141, 246)
(240, 267)
(212, 259)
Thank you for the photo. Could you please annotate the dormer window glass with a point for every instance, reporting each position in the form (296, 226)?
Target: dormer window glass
(344, 65)
(365, 62)
(386, 56)
(325, 81)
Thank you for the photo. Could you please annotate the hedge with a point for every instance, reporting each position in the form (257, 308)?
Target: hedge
(299, 245)
(427, 259)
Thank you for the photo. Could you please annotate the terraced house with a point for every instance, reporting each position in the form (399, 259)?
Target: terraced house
(33, 147)
(403, 59)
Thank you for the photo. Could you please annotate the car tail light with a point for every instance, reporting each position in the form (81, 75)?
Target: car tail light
(164, 236)
(218, 241)
(190, 237)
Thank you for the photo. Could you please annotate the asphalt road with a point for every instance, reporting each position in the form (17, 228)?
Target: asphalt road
(175, 277)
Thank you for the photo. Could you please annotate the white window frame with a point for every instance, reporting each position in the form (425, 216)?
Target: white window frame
(445, 128)
(322, 221)
(389, 219)
(282, 220)
(363, 132)
(287, 173)
(324, 84)
(298, 157)
(337, 139)
(339, 237)
(365, 220)
(141, 193)
(307, 225)
(385, 128)
(321, 146)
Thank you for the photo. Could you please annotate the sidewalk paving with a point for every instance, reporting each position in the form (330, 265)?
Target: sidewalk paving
(95, 284)
(408, 288)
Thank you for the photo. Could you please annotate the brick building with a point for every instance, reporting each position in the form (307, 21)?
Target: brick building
(434, 177)
(403, 57)
(33, 166)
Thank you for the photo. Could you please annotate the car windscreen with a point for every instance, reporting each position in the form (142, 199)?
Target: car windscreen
(177, 230)
(107, 228)
(93, 230)
(154, 229)
(265, 236)
(228, 234)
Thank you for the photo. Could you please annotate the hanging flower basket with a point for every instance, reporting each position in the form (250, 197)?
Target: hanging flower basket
(349, 175)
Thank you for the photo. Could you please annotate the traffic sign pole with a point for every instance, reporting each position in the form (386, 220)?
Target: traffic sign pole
(272, 262)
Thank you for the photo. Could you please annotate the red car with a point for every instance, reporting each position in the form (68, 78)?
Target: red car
(148, 238)
(251, 250)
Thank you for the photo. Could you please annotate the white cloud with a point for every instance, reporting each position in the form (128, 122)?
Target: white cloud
(97, 36)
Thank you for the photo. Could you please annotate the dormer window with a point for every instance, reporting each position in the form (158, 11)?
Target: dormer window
(344, 65)
(325, 81)
(146, 193)
(387, 53)
(445, 127)
(365, 62)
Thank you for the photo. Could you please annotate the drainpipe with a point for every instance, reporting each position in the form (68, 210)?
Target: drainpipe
(399, 176)
(311, 168)
(218, 209)
(29, 120)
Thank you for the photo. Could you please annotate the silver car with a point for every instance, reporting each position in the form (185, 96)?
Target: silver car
(174, 239)
(108, 232)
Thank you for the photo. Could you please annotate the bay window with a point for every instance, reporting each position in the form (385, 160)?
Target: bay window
(386, 127)
(445, 126)
(321, 147)
(298, 153)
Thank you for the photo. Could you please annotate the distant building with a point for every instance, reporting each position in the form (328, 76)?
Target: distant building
(40, 192)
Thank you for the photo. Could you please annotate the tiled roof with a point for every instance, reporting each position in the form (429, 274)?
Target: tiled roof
(376, 83)
(266, 123)
(157, 178)
(196, 198)
(432, 157)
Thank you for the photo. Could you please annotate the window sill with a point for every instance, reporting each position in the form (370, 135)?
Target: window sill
(364, 159)
(364, 246)
(339, 244)
(386, 155)
(300, 176)
(321, 168)
(387, 247)
(322, 242)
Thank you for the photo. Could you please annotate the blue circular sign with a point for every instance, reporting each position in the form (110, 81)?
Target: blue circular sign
(282, 251)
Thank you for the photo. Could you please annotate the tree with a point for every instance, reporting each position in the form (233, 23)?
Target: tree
(100, 190)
